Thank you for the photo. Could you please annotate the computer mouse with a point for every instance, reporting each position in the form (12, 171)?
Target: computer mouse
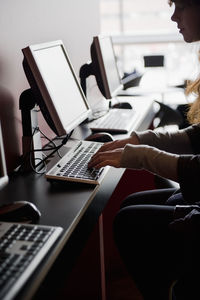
(101, 137)
(19, 211)
(123, 105)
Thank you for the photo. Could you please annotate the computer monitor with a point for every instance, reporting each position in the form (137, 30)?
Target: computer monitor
(55, 86)
(103, 66)
(3, 170)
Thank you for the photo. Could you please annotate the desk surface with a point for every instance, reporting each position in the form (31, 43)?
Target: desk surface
(75, 207)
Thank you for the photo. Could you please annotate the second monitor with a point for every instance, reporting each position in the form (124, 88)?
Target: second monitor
(103, 66)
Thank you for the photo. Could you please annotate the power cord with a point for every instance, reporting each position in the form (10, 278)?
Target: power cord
(28, 155)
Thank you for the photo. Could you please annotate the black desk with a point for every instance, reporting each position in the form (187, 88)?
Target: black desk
(75, 207)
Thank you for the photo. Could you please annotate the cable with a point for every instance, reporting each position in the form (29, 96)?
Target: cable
(51, 141)
(29, 154)
(34, 168)
(64, 141)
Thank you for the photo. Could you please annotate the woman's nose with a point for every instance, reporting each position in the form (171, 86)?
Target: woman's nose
(175, 16)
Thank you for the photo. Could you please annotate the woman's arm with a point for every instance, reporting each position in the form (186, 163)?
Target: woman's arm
(151, 159)
(138, 157)
(184, 169)
(174, 142)
(180, 142)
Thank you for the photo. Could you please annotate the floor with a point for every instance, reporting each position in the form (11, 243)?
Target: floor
(119, 284)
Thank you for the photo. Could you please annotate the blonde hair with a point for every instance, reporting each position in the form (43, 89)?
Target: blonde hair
(193, 114)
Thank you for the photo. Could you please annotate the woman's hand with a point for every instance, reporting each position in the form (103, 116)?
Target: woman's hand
(107, 158)
(119, 144)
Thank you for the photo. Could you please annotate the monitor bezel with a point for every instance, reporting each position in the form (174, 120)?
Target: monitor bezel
(99, 65)
(4, 179)
(29, 55)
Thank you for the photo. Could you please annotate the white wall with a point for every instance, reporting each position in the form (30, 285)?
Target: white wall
(25, 22)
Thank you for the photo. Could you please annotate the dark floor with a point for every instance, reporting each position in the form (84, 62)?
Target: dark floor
(123, 289)
(120, 286)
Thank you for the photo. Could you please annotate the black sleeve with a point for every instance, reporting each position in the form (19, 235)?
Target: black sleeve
(193, 133)
(189, 177)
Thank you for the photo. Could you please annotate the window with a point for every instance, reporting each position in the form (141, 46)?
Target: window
(136, 16)
(144, 27)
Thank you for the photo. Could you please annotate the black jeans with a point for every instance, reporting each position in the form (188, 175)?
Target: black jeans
(155, 256)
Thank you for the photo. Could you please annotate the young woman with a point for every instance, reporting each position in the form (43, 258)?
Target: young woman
(158, 232)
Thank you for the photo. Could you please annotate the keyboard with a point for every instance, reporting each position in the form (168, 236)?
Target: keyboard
(73, 166)
(115, 121)
(22, 248)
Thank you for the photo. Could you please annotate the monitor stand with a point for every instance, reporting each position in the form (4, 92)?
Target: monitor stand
(85, 71)
(31, 139)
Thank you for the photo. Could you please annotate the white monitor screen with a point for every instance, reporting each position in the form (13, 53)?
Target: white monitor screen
(107, 56)
(58, 84)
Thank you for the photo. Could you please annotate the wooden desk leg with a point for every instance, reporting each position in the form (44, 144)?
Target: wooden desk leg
(102, 260)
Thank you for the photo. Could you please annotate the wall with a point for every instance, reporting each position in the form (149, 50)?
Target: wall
(25, 22)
